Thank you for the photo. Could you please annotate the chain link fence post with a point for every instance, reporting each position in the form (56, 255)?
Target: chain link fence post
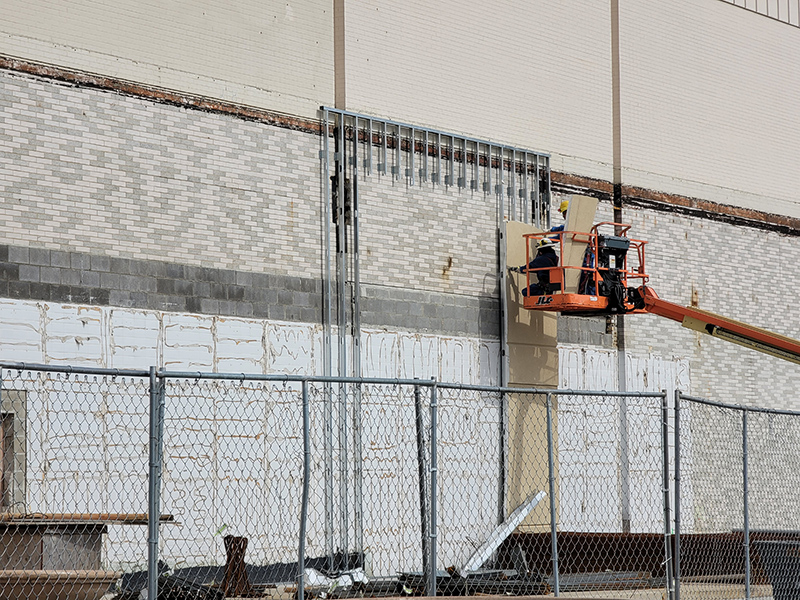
(552, 483)
(746, 507)
(665, 484)
(154, 487)
(677, 585)
(301, 552)
(423, 485)
(434, 489)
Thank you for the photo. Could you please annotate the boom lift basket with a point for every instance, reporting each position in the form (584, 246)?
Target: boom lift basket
(603, 278)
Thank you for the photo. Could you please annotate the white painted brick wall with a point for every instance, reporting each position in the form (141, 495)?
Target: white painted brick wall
(97, 172)
(272, 54)
(535, 75)
(219, 449)
(709, 103)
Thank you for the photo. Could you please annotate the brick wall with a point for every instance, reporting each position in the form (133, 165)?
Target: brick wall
(709, 103)
(244, 52)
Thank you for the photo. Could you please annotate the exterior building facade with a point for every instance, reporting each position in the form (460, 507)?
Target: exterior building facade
(165, 191)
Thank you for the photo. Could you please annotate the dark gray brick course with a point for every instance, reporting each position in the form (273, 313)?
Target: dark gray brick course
(90, 278)
(18, 254)
(60, 259)
(80, 261)
(28, 273)
(9, 272)
(50, 275)
(158, 285)
(19, 289)
(40, 256)
(122, 266)
(101, 263)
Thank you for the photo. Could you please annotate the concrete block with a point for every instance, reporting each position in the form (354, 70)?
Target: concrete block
(28, 273)
(18, 254)
(40, 256)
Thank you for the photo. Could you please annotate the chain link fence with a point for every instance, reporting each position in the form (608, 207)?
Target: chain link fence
(737, 517)
(134, 484)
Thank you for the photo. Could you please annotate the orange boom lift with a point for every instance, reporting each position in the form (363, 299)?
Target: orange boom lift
(612, 280)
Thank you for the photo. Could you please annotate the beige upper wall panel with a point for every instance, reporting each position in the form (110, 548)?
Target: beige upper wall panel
(265, 53)
(533, 74)
(710, 103)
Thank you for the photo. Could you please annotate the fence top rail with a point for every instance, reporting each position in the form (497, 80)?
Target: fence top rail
(739, 407)
(396, 381)
(22, 366)
(285, 377)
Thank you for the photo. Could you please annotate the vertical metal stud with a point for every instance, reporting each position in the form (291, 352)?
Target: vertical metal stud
(411, 152)
(439, 158)
(327, 347)
(342, 325)
(385, 149)
(369, 147)
(425, 159)
(512, 183)
(525, 196)
(536, 204)
(452, 159)
(489, 158)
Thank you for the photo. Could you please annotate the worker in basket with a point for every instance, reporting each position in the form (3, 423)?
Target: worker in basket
(563, 210)
(546, 258)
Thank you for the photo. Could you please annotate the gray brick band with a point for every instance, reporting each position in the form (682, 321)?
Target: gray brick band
(74, 277)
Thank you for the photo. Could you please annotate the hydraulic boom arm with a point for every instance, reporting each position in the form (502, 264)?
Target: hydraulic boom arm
(723, 328)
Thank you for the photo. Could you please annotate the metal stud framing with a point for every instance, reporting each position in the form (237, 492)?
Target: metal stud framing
(517, 179)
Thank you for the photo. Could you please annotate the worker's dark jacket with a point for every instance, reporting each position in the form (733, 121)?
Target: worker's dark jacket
(546, 257)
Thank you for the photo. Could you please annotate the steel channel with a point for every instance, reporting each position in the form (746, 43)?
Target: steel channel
(369, 147)
(746, 506)
(434, 488)
(301, 553)
(665, 485)
(490, 152)
(677, 444)
(464, 163)
(432, 130)
(153, 490)
(358, 498)
(412, 139)
(537, 204)
(438, 158)
(549, 197)
(512, 185)
(425, 159)
(327, 350)
(452, 159)
(342, 324)
(526, 201)
(504, 373)
(385, 147)
(423, 485)
(551, 473)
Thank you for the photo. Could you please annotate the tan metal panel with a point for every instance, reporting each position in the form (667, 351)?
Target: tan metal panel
(580, 217)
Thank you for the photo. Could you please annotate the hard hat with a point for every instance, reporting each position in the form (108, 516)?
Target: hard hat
(563, 206)
(545, 243)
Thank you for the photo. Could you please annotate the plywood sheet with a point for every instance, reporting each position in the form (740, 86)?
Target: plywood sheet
(531, 335)
(580, 217)
(532, 362)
